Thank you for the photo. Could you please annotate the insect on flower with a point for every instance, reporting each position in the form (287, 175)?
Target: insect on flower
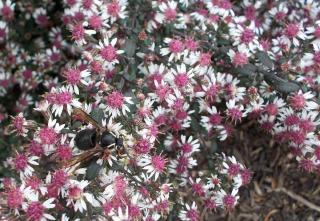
(97, 143)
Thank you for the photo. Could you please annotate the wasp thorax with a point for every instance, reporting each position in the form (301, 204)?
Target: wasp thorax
(119, 142)
(107, 139)
(86, 139)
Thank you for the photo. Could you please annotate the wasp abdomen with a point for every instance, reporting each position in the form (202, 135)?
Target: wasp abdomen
(86, 139)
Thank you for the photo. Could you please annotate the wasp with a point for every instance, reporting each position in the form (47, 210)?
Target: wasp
(96, 143)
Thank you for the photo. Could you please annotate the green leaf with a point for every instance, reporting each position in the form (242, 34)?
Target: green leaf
(247, 70)
(264, 58)
(93, 170)
(97, 114)
(130, 47)
(280, 84)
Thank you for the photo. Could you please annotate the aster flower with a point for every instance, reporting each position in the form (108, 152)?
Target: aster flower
(74, 77)
(189, 146)
(180, 77)
(24, 163)
(168, 12)
(77, 196)
(62, 98)
(116, 104)
(293, 32)
(190, 213)
(227, 201)
(108, 52)
(175, 49)
(155, 165)
(36, 210)
(240, 57)
(115, 10)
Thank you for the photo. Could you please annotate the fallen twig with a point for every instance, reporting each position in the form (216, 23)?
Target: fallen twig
(299, 198)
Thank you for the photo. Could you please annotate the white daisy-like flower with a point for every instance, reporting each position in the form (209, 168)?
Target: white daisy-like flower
(180, 77)
(210, 122)
(188, 146)
(78, 197)
(63, 98)
(24, 163)
(190, 212)
(154, 165)
(175, 49)
(108, 53)
(168, 12)
(74, 77)
(35, 209)
(115, 10)
(116, 104)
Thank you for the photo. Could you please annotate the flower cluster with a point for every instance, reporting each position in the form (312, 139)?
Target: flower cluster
(118, 106)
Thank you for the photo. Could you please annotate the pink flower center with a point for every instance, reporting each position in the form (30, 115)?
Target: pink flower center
(181, 79)
(291, 30)
(95, 21)
(162, 91)
(192, 214)
(158, 163)
(215, 119)
(87, 4)
(229, 201)
(7, 13)
(247, 36)
(48, 135)
(279, 16)
(64, 152)
(109, 53)
(176, 46)
(186, 148)
(14, 198)
(113, 9)
(272, 109)
(182, 165)
(59, 178)
(170, 14)
(64, 97)
(18, 124)
(115, 100)
(298, 101)
(78, 32)
(291, 120)
(250, 12)
(35, 211)
(181, 114)
(191, 44)
(42, 20)
(120, 185)
(307, 165)
(142, 147)
(205, 59)
(240, 59)
(73, 76)
(235, 114)
(234, 169)
(33, 182)
(75, 192)
(197, 188)
(35, 148)
(21, 162)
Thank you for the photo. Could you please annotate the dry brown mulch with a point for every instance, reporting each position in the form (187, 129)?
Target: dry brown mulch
(280, 190)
